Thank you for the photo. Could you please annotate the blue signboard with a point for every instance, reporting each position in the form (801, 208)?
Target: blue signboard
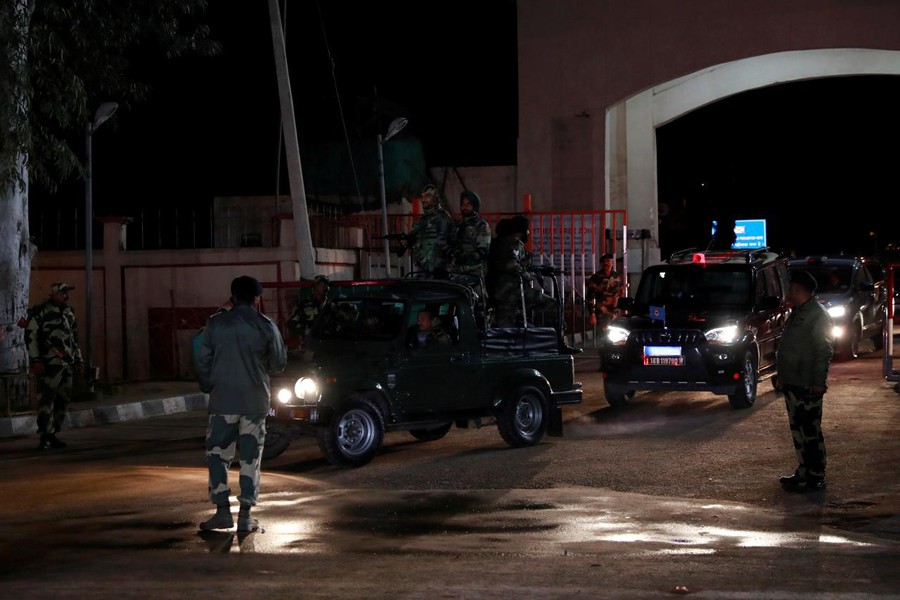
(749, 234)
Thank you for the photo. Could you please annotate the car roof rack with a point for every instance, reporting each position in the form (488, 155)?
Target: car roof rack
(693, 255)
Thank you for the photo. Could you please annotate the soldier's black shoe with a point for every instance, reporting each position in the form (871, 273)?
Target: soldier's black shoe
(815, 484)
(56, 442)
(791, 482)
(44, 444)
(567, 349)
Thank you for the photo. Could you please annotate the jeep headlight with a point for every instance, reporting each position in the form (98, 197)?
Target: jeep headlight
(306, 388)
(616, 335)
(837, 311)
(723, 335)
(284, 395)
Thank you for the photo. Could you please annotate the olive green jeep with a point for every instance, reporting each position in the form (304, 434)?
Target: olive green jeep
(376, 369)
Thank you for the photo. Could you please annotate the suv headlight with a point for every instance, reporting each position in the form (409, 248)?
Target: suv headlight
(616, 335)
(284, 395)
(723, 335)
(837, 311)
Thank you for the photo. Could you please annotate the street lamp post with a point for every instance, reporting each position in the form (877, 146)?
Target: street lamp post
(104, 112)
(393, 129)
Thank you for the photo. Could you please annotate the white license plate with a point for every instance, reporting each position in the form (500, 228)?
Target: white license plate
(667, 356)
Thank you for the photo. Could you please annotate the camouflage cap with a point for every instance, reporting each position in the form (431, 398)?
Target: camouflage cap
(59, 286)
(321, 279)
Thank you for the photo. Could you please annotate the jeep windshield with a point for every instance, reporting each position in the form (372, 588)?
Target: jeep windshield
(360, 319)
(695, 287)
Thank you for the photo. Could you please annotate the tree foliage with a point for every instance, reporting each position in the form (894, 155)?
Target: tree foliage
(80, 53)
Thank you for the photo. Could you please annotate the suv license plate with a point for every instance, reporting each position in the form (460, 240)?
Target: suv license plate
(668, 356)
(665, 361)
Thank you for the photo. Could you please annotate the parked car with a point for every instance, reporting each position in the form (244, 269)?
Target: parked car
(853, 290)
(705, 321)
(369, 374)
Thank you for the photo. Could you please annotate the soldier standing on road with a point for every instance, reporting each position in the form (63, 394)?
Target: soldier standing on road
(52, 339)
(803, 360)
(603, 292)
(238, 350)
(432, 236)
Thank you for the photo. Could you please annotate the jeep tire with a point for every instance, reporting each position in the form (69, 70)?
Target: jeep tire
(523, 416)
(354, 435)
(278, 438)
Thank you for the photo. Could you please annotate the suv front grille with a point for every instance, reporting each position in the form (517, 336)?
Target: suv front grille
(667, 336)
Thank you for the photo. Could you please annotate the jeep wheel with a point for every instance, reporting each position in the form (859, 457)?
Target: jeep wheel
(354, 437)
(524, 416)
(278, 438)
(616, 395)
(745, 396)
(431, 435)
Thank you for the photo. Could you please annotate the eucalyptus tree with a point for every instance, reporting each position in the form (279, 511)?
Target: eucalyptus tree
(61, 59)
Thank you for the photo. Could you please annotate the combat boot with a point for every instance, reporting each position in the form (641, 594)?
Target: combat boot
(56, 442)
(44, 444)
(246, 523)
(221, 520)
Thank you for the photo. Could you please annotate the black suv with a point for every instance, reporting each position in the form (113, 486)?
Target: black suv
(852, 289)
(704, 321)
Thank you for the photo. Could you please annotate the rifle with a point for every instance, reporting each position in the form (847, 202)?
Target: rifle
(403, 237)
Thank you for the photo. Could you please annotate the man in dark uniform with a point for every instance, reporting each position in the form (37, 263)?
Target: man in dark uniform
(804, 356)
(52, 339)
(239, 348)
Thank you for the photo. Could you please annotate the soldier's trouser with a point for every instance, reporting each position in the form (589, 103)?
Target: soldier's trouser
(55, 393)
(805, 419)
(223, 433)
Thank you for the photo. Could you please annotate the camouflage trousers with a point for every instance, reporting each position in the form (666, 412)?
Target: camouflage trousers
(223, 433)
(54, 395)
(805, 420)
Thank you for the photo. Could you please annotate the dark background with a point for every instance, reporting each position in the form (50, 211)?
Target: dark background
(816, 158)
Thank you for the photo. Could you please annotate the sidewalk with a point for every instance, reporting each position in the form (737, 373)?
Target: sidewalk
(141, 400)
(128, 401)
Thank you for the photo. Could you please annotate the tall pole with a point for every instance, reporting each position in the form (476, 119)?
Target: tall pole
(384, 216)
(302, 232)
(88, 254)
(104, 112)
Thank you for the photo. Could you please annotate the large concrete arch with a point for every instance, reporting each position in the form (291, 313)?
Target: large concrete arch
(630, 170)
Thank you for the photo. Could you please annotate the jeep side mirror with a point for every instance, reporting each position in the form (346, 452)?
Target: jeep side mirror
(867, 286)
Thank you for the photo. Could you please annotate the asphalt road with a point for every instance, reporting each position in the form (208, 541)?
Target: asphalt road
(677, 493)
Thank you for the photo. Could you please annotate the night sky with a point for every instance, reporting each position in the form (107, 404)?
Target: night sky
(816, 159)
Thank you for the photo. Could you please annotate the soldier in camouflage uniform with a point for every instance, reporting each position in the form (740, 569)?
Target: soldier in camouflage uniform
(603, 291)
(473, 242)
(239, 348)
(52, 339)
(803, 360)
(510, 276)
(432, 237)
(308, 310)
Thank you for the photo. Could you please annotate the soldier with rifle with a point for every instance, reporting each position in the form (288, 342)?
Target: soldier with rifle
(52, 339)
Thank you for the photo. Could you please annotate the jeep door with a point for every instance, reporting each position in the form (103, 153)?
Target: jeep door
(432, 378)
